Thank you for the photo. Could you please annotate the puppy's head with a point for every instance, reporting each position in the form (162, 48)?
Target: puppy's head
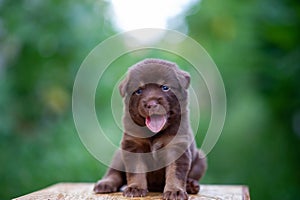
(154, 93)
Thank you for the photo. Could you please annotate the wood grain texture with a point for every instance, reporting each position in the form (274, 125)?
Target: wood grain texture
(77, 191)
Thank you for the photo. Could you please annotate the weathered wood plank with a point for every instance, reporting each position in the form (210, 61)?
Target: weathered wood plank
(72, 191)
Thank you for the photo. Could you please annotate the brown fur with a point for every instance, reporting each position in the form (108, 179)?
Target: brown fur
(179, 177)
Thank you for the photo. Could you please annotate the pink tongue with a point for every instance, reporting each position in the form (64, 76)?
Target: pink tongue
(156, 122)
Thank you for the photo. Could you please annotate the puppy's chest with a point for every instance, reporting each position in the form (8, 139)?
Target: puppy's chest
(146, 145)
(158, 143)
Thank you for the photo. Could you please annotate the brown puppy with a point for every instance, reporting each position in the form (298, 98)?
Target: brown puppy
(158, 149)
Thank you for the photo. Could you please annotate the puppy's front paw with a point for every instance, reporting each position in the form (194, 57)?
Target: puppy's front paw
(192, 186)
(134, 191)
(105, 186)
(178, 195)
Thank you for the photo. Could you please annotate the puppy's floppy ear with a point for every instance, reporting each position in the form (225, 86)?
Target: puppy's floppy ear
(123, 86)
(184, 78)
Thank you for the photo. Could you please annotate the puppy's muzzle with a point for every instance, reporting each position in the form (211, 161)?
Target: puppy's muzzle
(153, 107)
(156, 114)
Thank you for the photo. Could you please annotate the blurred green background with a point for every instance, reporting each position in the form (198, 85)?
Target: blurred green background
(255, 44)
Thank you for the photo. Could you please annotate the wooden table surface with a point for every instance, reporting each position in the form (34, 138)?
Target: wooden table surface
(75, 191)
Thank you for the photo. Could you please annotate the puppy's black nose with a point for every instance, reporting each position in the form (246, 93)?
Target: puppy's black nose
(151, 104)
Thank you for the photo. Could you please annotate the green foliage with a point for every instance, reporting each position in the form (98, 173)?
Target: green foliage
(255, 44)
(256, 47)
(42, 46)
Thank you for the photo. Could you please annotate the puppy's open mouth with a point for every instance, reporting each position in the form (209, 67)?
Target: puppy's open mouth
(156, 122)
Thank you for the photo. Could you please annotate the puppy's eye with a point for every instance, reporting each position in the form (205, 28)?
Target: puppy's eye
(165, 88)
(139, 91)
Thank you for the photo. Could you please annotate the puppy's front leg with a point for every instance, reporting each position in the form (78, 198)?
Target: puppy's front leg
(137, 185)
(114, 178)
(176, 175)
(133, 160)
